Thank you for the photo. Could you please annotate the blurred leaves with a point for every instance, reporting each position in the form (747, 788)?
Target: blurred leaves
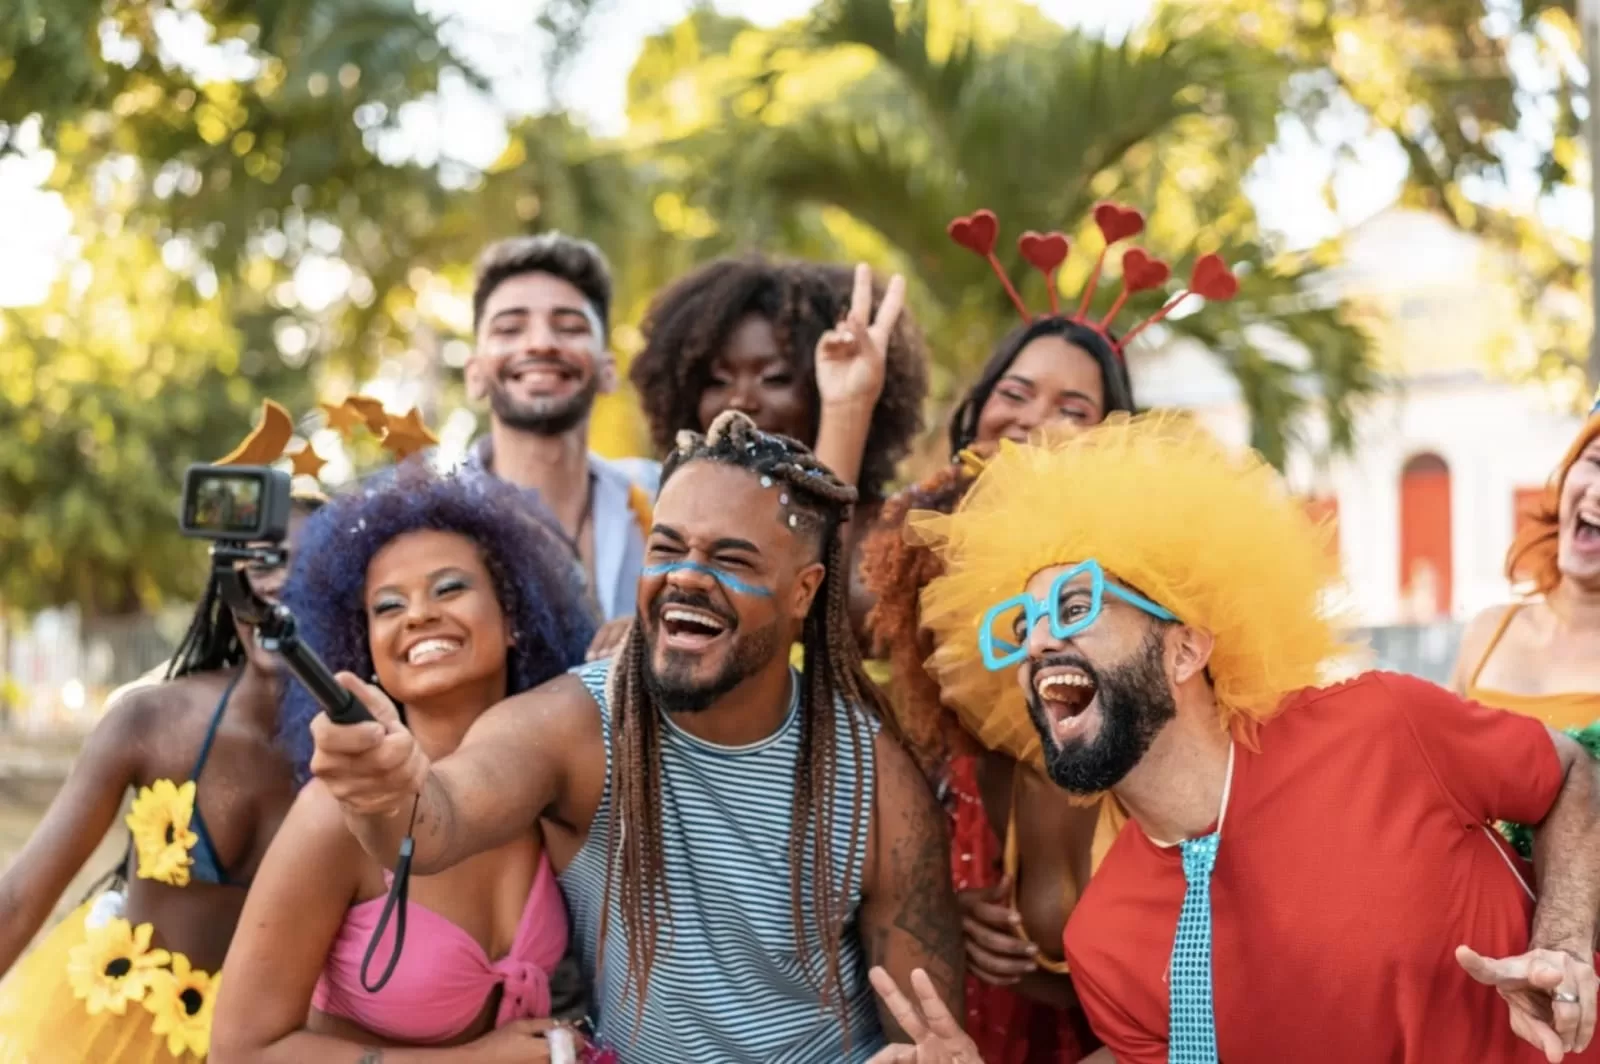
(213, 152)
(901, 116)
(113, 385)
(1484, 98)
(249, 225)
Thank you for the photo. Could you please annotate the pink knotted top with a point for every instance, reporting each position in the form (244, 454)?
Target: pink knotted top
(444, 976)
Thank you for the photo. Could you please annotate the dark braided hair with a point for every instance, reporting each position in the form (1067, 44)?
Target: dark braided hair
(211, 641)
(689, 323)
(833, 679)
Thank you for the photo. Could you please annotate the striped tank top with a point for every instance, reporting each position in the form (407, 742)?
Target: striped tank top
(727, 983)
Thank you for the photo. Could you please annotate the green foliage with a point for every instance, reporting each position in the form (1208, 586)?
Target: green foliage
(1492, 144)
(854, 133)
(201, 176)
(901, 116)
(124, 376)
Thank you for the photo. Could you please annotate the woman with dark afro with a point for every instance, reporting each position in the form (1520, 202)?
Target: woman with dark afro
(814, 352)
(445, 592)
(1020, 851)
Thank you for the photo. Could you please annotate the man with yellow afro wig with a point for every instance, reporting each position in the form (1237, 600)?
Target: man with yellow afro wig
(1308, 874)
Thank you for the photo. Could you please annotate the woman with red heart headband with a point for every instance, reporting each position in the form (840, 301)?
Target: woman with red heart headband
(1054, 368)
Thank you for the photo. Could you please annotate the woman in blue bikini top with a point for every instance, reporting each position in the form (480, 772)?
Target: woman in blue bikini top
(129, 973)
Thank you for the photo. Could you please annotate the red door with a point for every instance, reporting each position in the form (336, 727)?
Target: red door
(1425, 540)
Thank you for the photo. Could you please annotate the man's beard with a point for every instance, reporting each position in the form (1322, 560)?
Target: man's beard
(1135, 704)
(544, 417)
(674, 689)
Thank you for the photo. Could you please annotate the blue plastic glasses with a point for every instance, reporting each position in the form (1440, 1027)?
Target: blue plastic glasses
(1017, 615)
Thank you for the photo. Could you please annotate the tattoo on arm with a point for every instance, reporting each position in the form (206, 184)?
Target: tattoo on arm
(921, 866)
(435, 828)
(371, 1056)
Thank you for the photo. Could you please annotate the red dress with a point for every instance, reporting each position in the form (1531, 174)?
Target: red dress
(1008, 1027)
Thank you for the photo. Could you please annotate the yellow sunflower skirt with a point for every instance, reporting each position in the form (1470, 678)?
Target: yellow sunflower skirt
(104, 996)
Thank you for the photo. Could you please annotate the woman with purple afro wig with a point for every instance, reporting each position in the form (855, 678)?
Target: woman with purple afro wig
(537, 580)
(453, 594)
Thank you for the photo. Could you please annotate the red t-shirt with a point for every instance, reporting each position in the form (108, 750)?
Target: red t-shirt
(1354, 860)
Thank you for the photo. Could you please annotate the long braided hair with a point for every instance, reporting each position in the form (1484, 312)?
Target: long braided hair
(833, 681)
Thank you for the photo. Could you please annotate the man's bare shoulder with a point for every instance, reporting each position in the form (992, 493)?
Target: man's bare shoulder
(558, 710)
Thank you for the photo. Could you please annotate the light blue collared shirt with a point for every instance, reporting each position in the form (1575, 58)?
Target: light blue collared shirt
(618, 539)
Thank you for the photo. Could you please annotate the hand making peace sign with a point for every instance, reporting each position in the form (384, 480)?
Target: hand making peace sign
(939, 1038)
(850, 357)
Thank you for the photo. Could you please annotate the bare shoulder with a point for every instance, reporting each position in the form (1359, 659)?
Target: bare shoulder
(899, 782)
(905, 812)
(1475, 640)
(318, 822)
(561, 709)
(545, 744)
(315, 835)
(153, 722)
(1481, 628)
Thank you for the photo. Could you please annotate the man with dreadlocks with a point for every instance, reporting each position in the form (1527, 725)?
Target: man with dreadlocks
(737, 839)
(813, 351)
(200, 749)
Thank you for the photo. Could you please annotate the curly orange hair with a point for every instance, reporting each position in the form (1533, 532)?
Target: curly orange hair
(896, 571)
(1532, 557)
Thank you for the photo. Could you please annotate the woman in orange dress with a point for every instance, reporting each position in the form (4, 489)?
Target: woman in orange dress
(1540, 656)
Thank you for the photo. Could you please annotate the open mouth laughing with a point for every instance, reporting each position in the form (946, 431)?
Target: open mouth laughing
(691, 628)
(1064, 693)
(1586, 529)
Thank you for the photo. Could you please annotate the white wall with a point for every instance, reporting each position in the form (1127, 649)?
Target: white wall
(1496, 436)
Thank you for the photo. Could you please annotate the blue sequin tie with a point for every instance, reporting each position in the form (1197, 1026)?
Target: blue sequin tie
(1192, 1037)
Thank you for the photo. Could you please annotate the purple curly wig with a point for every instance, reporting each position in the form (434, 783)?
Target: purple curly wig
(537, 578)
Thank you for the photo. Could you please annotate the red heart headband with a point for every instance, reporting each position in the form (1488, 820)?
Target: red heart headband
(1141, 272)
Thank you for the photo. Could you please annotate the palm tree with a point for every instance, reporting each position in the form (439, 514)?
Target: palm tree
(1037, 123)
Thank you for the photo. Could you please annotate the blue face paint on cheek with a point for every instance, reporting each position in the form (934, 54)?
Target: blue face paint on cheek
(727, 580)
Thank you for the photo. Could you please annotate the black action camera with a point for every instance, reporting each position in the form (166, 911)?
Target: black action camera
(245, 504)
(244, 511)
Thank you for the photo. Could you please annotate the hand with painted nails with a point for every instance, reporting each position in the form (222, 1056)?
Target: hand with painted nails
(998, 951)
(936, 1036)
(850, 358)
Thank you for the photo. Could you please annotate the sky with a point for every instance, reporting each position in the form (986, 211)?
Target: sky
(463, 126)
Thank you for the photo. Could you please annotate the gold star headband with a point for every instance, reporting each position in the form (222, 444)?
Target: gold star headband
(402, 436)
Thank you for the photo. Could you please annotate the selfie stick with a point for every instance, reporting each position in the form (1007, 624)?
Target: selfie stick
(278, 634)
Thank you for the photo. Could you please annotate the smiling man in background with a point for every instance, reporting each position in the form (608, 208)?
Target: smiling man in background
(541, 316)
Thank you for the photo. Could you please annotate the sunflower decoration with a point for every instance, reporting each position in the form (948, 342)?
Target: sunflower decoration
(114, 965)
(159, 821)
(182, 1000)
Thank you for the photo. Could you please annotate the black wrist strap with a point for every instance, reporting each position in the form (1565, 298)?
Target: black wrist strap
(394, 906)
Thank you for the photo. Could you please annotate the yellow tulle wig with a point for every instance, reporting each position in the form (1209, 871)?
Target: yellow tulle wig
(1211, 534)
